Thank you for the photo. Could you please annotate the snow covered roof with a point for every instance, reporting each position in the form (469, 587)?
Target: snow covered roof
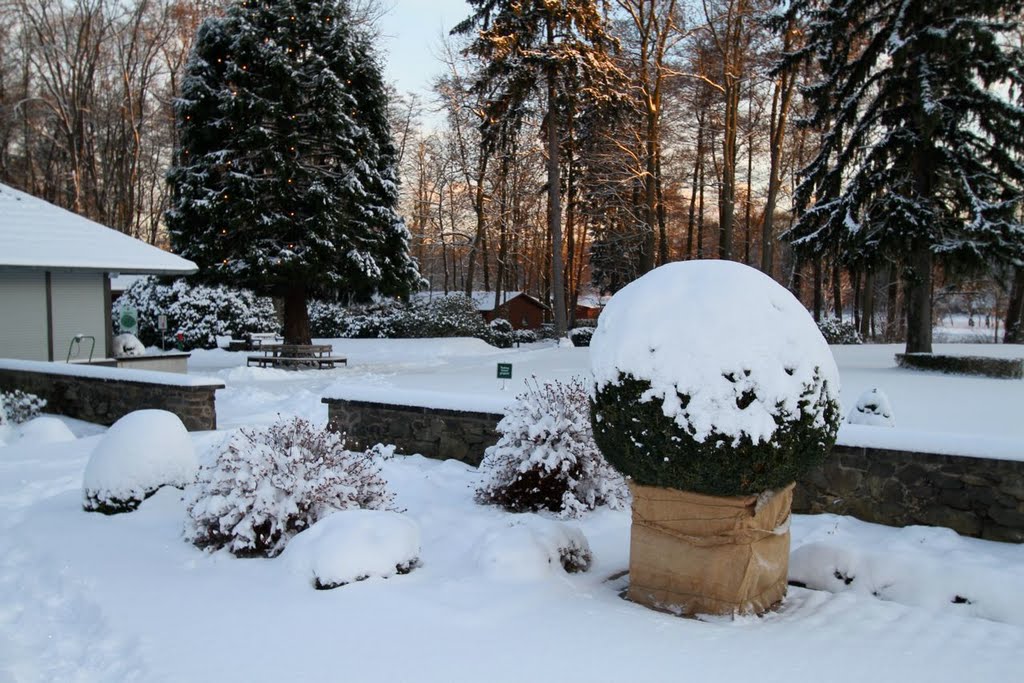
(37, 234)
(484, 300)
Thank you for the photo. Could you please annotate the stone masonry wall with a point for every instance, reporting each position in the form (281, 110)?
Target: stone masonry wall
(432, 432)
(103, 401)
(978, 497)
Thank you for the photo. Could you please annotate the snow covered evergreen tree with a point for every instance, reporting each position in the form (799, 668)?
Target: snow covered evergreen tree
(539, 49)
(285, 176)
(920, 137)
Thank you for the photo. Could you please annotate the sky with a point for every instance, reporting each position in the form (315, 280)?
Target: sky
(411, 33)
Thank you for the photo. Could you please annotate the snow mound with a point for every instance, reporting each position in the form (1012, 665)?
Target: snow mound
(910, 578)
(141, 452)
(532, 548)
(872, 409)
(44, 430)
(353, 545)
(716, 332)
(127, 345)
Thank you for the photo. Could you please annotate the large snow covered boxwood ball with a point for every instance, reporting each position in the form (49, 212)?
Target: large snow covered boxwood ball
(140, 453)
(712, 378)
(713, 391)
(265, 485)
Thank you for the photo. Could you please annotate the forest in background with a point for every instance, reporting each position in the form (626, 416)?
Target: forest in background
(683, 146)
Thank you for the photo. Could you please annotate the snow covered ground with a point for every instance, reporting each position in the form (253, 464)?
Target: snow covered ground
(84, 597)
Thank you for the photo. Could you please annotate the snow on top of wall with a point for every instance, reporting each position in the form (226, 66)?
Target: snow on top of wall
(119, 374)
(713, 331)
(471, 402)
(940, 443)
(37, 234)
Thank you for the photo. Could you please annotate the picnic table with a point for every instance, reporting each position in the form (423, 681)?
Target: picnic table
(295, 356)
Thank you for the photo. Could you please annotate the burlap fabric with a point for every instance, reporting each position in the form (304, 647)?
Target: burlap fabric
(695, 554)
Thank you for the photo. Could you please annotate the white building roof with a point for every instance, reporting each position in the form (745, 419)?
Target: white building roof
(37, 234)
(484, 300)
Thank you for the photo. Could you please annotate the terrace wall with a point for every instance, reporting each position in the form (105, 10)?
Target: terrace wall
(981, 497)
(103, 395)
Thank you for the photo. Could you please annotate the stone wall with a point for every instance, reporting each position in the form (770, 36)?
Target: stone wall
(978, 497)
(433, 432)
(974, 496)
(104, 400)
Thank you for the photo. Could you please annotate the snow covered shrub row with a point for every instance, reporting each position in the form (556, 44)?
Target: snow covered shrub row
(838, 331)
(447, 316)
(265, 485)
(198, 312)
(18, 406)
(735, 393)
(140, 453)
(546, 458)
(525, 336)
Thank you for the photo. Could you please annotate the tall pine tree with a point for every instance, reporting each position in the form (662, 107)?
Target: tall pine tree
(536, 49)
(285, 179)
(920, 139)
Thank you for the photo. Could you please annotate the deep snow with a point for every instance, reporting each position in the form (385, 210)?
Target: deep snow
(85, 597)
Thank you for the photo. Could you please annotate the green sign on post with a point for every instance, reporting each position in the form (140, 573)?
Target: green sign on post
(504, 371)
(129, 320)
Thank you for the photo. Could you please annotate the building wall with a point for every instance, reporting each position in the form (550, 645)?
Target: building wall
(23, 314)
(521, 312)
(78, 305)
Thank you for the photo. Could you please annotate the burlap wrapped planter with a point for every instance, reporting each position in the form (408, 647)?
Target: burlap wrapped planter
(694, 554)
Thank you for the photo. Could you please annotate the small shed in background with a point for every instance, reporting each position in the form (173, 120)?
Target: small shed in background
(519, 308)
(55, 269)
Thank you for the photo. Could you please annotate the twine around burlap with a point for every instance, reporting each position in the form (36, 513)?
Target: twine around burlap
(697, 554)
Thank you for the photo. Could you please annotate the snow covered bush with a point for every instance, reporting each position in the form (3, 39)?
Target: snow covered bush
(838, 331)
(525, 336)
(454, 315)
(581, 336)
(199, 312)
(354, 545)
(265, 485)
(734, 393)
(546, 458)
(501, 334)
(18, 406)
(140, 453)
(326, 319)
(873, 409)
(532, 547)
(126, 344)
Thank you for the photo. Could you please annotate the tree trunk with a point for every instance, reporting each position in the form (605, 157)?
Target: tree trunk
(837, 291)
(867, 305)
(1014, 333)
(296, 317)
(919, 301)
(554, 202)
(818, 298)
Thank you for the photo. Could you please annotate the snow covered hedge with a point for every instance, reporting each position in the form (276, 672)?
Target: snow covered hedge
(448, 316)
(18, 406)
(735, 393)
(198, 312)
(142, 452)
(268, 484)
(546, 458)
(838, 331)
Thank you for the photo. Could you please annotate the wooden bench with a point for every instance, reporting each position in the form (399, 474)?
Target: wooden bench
(295, 356)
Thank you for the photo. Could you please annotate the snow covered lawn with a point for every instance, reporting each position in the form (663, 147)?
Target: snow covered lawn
(86, 597)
